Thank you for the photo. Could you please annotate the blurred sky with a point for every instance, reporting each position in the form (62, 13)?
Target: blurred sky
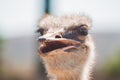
(20, 17)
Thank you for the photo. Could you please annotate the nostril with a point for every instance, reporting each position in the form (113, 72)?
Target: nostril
(57, 36)
(41, 39)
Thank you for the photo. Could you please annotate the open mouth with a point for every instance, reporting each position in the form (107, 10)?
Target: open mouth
(57, 44)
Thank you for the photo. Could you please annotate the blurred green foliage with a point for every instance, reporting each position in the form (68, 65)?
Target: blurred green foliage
(112, 67)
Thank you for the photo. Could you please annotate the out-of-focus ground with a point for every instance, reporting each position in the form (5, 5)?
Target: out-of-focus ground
(19, 59)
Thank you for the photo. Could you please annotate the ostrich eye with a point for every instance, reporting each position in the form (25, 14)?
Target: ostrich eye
(41, 31)
(82, 30)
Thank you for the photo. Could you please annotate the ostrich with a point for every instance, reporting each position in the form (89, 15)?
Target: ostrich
(66, 48)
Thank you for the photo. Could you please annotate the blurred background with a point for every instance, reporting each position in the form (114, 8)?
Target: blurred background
(18, 45)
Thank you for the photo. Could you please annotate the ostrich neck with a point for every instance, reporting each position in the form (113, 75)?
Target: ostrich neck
(66, 75)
